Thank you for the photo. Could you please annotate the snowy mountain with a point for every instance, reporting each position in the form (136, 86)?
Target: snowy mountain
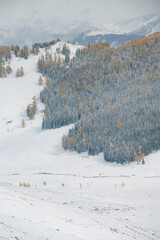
(113, 39)
(122, 32)
(83, 32)
(47, 193)
(37, 31)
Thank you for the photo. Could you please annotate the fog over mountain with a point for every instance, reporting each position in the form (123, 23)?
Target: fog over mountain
(122, 32)
(25, 22)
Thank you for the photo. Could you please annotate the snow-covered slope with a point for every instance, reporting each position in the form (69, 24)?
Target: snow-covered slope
(70, 196)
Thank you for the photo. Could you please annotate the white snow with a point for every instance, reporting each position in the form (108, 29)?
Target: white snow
(84, 198)
(128, 26)
(73, 48)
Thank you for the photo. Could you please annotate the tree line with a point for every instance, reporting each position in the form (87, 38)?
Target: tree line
(112, 96)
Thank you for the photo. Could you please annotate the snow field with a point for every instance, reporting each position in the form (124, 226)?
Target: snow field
(71, 196)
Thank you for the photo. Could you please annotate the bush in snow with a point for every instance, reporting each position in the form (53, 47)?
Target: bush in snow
(32, 109)
(20, 72)
(23, 124)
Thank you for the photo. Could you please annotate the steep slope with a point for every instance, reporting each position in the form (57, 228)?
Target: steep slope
(71, 196)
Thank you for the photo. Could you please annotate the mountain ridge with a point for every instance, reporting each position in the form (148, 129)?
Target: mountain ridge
(83, 32)
(122, 32)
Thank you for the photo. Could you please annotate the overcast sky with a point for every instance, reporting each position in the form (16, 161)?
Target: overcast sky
(93, 11)
(54, 15)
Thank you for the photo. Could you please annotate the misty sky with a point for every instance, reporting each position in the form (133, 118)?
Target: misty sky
(93, 11)
(38, 17)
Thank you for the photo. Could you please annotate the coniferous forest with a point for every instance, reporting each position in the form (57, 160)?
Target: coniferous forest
(111, 95)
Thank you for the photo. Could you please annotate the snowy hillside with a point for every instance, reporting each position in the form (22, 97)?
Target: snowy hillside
(69, 195)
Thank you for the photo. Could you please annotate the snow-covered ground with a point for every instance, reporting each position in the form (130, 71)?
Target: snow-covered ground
(71, 196)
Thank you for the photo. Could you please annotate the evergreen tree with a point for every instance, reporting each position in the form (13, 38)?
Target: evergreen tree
(47, 80)
(23, 124)
(40, 81)
(24, 52)
(21, 72)
(31, 115)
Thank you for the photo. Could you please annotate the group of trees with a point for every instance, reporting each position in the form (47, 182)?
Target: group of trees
(55, 61)
(4, 70)
(34, 50)
(74, 42)
(112, 96)
(5, 57)
(20, 52)
(20, 72)
(5, 53)
(15, 49)
(46, 44)
(32, 109)
(40, 81)
(24, 52)
(48, 64)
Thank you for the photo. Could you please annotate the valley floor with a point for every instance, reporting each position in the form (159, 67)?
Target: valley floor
(70, 195)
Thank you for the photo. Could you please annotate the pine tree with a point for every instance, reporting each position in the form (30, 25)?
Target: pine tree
(21, 72)
(31, 115)
(64, 142)
(8, 69)
(18, 72)
(34, 107)
(67, 58)
(47, 80)
(23, 124)
(24, 52)
(40, 81)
